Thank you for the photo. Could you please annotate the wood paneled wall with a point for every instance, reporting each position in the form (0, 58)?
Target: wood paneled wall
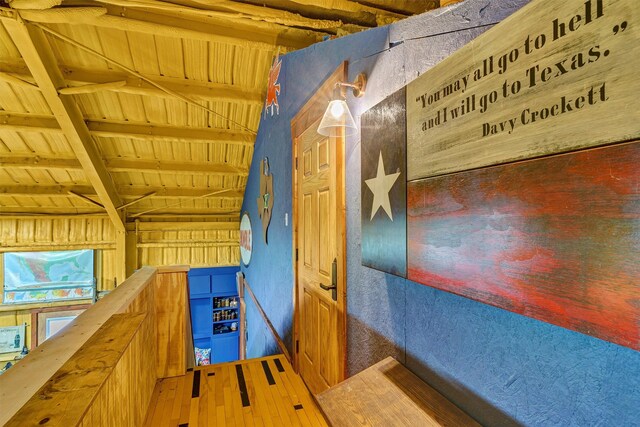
(197, 248)
(124, 397)
(170, 312)
(115, 384)
(45, 234)
(177, 243)
(58, 234)
(199, 244)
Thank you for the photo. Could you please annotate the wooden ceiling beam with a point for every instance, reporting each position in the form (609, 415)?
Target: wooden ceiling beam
(37, 54)
(21, 122)
(112, 129)
(92, 88)
(163, 166)
(37, 162)
(125, 191)
(349, 12)
(185, 226)
(190, 212)
(21, 215)
(229, 10)
(45, 190)
(16, 72)
(256, 35)
(129, 191)
(124, 165)
(184, 216)
(18, 81)
(189, 244)
(405, 7)
(355, 6)
(203, 91)
(172, 25)
(13, 212)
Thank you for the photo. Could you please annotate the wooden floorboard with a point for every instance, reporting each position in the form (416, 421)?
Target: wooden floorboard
(261, 392)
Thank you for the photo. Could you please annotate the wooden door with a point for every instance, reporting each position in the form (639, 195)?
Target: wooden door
(319, 243)
(319, 352)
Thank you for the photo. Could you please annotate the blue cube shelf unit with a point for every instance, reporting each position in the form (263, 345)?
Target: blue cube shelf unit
(215, 308)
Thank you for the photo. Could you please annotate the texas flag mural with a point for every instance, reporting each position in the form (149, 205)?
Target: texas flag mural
(384, 186)
(542, 219)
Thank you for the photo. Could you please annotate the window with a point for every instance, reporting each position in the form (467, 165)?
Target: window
(48, 276)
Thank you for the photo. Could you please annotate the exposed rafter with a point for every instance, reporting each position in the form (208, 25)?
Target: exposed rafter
(35, 50)
(349, 12)
(113, 129)
(110, 129)
(171, 25)
(125, 165)
(183, 226)
(408, 7)
(31, 215)
(178, 216)
(126, 191)
(188, 168)
(21, 81)
(37, 162)
(231, 11)
(92, 88)
(176, 213)
(16, 72)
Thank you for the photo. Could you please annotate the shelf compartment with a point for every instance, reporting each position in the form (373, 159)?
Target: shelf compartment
(226, 321)
(222, 307)
(230, 333)
(225, 308)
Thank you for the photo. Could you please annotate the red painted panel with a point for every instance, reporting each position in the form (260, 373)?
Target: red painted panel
(556, 239)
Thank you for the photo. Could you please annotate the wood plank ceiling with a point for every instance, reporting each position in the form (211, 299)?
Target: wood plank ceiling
(143, 108)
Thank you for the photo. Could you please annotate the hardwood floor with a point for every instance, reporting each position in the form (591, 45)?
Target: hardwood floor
(255, 392)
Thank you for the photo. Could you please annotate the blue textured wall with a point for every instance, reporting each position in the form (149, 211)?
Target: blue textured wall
(502, 368)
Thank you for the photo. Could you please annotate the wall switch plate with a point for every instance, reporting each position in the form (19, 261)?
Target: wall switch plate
(286, 219)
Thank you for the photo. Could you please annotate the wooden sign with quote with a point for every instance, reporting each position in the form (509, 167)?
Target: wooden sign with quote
(553, 77)
(522, 170)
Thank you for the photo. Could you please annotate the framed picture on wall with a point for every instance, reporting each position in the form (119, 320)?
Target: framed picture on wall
(12, 338)
(48, 321)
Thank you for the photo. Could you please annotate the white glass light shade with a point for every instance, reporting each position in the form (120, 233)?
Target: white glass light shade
(337, 116)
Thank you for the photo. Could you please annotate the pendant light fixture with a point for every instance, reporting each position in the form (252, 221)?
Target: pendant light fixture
(337, 114)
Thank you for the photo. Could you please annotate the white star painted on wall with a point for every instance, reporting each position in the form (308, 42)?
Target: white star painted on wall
(380, 186)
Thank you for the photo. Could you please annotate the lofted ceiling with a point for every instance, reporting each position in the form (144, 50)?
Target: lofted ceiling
(144, 108)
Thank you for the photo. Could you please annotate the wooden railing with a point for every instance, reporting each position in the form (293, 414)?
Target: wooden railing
(244, 286)
(102, 368)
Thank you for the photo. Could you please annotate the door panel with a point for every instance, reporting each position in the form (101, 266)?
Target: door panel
(306, 231)
(323, 154)
(325, 323)
(324, 261)
(308, 328)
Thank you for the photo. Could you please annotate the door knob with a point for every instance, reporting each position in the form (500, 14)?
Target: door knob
(333, 289)
(334, 281)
